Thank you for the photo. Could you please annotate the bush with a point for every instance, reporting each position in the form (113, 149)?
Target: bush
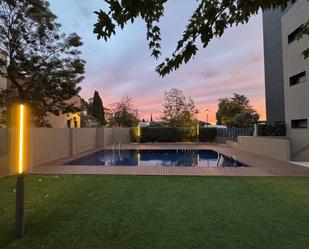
(277, 129)
(207, 134)
(169, 134)
(161, 134)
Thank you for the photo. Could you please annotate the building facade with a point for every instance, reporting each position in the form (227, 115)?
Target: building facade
(294, 75)
(273, 66)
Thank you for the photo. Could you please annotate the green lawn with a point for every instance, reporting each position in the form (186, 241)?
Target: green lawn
(158, 212)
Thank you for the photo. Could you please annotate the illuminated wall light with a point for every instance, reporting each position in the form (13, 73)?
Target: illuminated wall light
(138, 131)
(21, 127)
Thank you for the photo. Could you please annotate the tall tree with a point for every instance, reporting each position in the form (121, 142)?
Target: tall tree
(236, 112)
(210, 19)
(42, 64)
(178, 111)
(124, 114)
(98, 109)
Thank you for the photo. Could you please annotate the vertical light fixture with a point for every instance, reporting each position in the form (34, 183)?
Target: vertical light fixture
(19, 214)
(138, 133)
(21, 138)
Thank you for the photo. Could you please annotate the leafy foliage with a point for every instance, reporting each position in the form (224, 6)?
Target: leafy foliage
(124, 113)
(97, 109)
(210, 19)
(178, 111)
(236, 112)
(173, 134)
(41, 64)
(277, 129)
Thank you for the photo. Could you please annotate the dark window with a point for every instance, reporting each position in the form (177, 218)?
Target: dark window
(298, 78)
(293, 36)
(69, 123)
(299, 123)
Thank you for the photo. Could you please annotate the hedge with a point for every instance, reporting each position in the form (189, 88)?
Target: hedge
(169, 134)
(278, 129)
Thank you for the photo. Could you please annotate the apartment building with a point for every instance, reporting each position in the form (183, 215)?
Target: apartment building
(286, 69)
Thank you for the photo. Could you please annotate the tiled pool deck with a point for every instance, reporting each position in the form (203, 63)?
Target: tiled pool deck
(260, 165)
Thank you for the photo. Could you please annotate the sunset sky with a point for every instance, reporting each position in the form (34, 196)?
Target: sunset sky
(123, 65)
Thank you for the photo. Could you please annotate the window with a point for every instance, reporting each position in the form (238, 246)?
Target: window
(293, 36)
(298, 78)
(299, 123)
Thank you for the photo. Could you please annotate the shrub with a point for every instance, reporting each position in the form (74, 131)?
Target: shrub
(169, 134)
(277, 129)
(207, 134)
(161, 134)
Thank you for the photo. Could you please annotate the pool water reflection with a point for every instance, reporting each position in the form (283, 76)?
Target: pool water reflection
(163, 158)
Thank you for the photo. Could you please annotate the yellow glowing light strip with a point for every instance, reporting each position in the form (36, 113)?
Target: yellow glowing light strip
(21, 139)
(138, 131)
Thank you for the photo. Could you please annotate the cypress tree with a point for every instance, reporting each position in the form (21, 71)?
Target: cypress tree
(97, 108)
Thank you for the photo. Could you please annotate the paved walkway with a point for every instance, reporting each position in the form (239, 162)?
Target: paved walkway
(260, 165)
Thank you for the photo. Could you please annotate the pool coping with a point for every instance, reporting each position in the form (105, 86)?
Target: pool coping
(259, 165)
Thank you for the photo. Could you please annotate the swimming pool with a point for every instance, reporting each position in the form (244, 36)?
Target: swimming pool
(163, 158)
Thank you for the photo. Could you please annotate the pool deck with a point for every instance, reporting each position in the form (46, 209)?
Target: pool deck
(260, 165)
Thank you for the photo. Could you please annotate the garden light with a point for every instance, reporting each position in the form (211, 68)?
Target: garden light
(19, 124)
(21, 138)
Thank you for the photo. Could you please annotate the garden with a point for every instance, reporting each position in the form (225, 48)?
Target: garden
(158, 212)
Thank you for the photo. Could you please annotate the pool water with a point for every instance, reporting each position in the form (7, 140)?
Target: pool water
(163, 158)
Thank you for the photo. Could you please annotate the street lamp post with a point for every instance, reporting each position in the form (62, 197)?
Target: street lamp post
(207, 111)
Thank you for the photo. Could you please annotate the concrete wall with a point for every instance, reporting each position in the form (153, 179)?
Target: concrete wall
(108, 136)
(277, 148)
(85, 139)
(297, 96)
(50, 144)
(121, 135)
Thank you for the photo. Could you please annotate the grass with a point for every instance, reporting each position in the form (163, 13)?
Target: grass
(158, 212)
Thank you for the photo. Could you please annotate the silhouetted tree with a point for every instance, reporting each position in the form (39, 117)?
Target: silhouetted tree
(41, 64)
(210, 19)
(178, 111)
(97, 108)
(124, 113)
